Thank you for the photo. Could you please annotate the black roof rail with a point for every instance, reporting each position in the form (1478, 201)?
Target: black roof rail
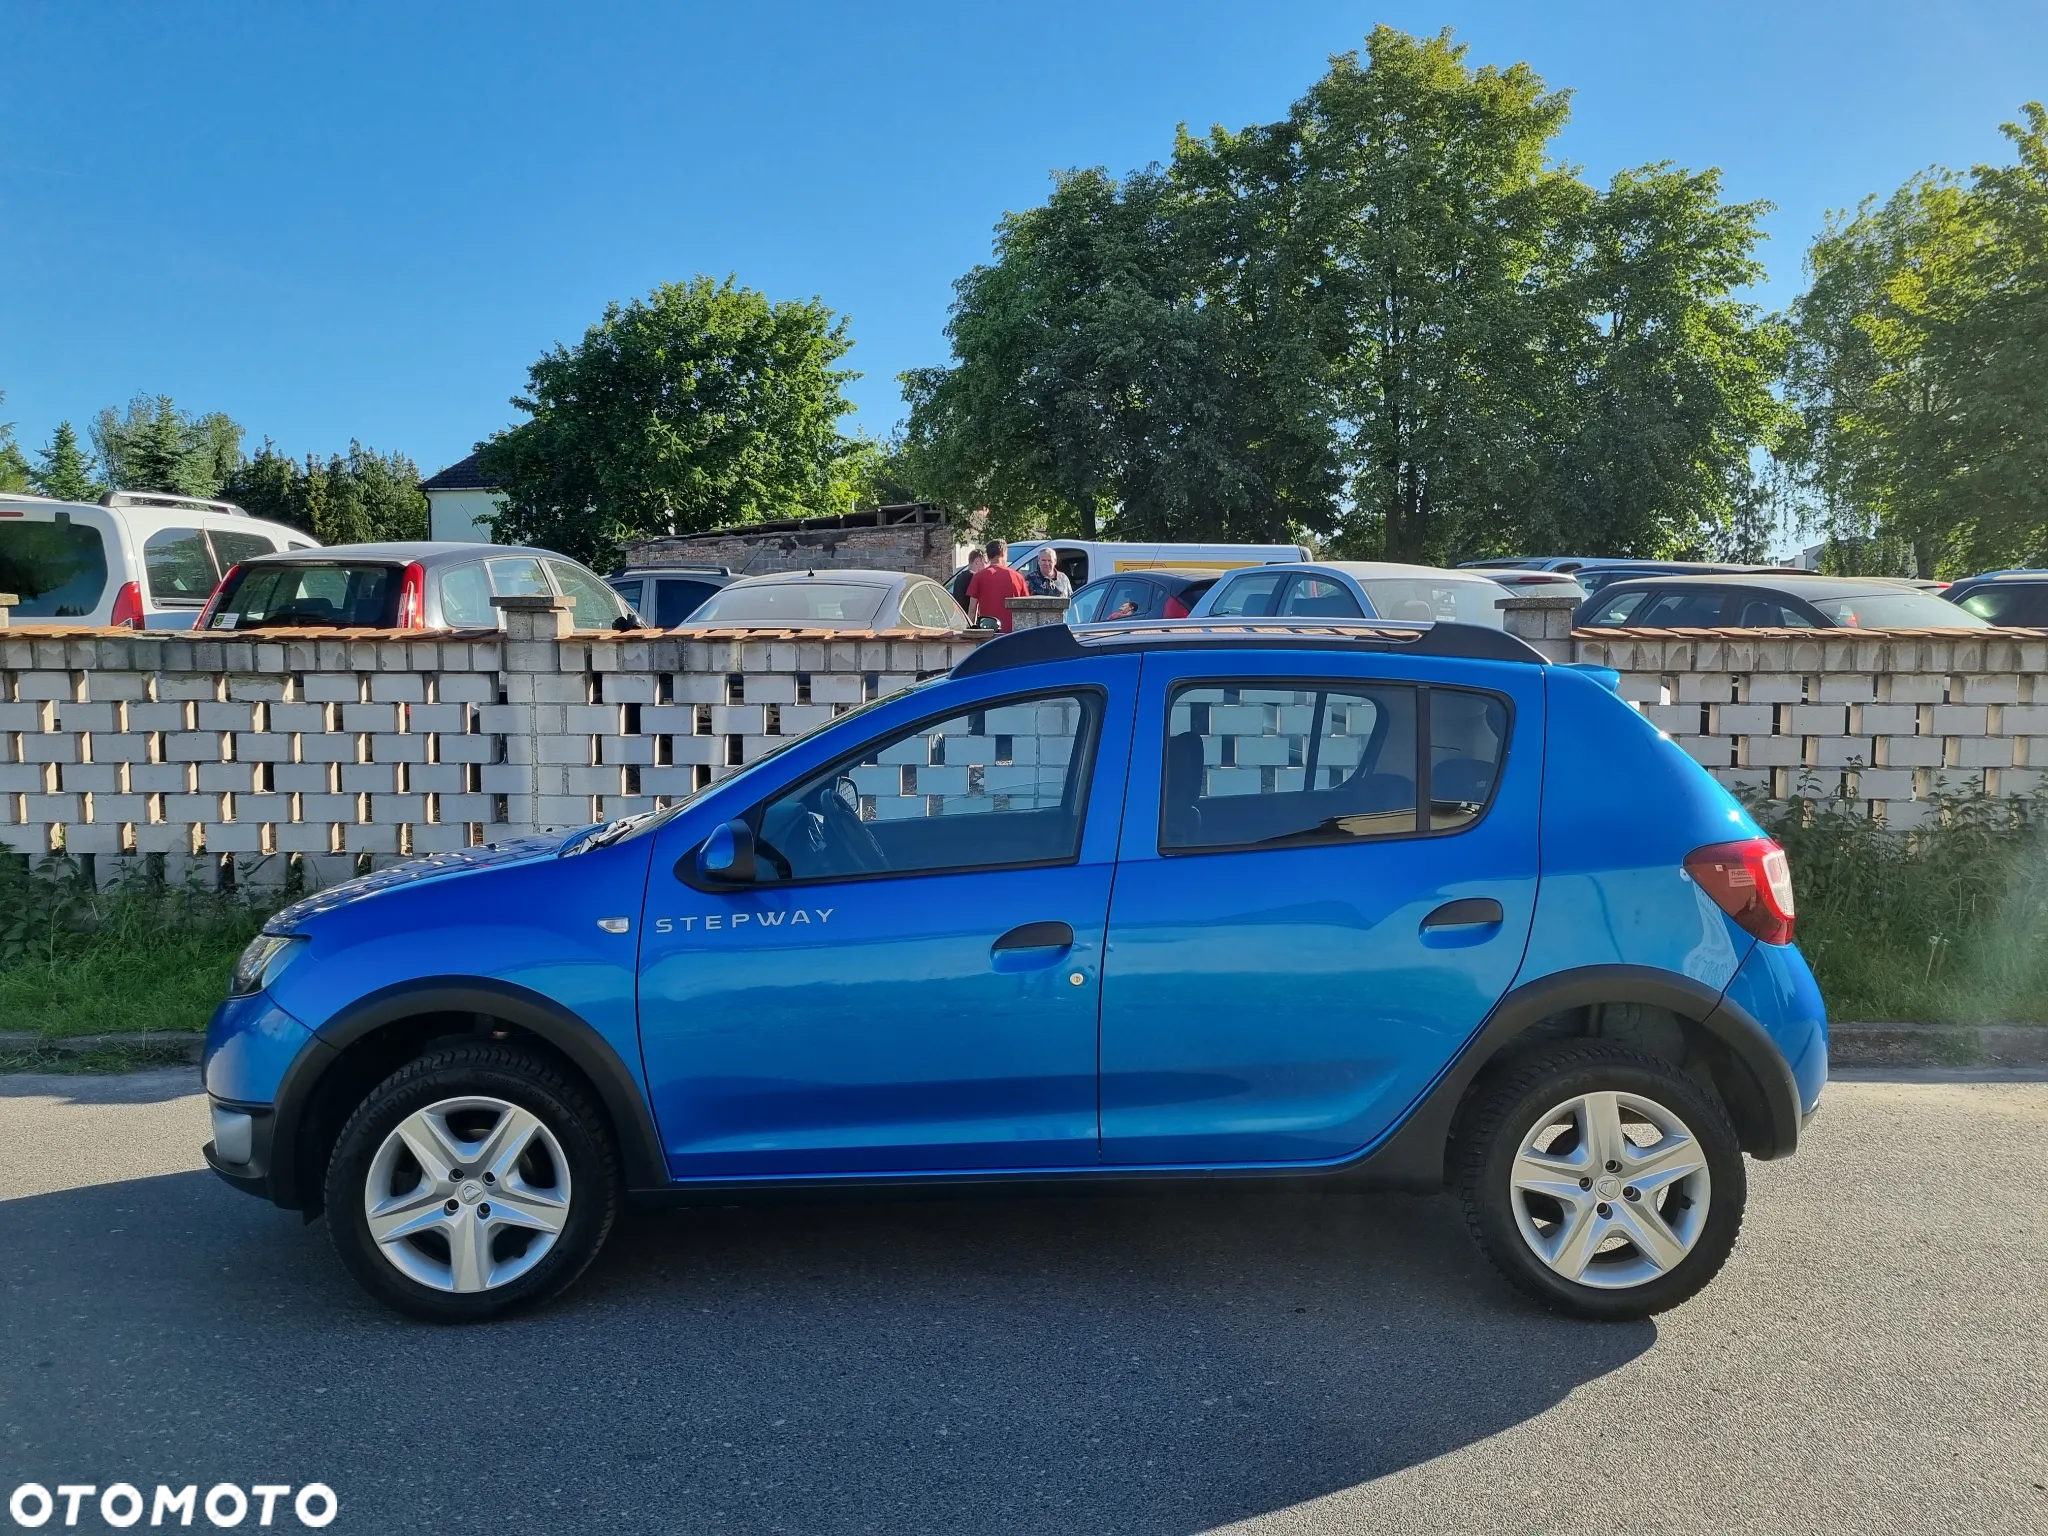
(1059, 642)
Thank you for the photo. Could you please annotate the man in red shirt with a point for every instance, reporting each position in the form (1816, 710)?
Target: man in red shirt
(989, 594)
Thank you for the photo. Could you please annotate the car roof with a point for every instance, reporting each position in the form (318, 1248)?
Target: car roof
(431, 552)
(1167, 570)
(1368, 570)
(848, 578)
(1801, 584)
(1060, 642)
(2022, 576)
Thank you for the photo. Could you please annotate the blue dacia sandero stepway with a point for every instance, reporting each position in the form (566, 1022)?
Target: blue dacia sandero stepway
(1399, 905)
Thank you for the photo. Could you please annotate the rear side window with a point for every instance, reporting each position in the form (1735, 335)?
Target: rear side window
(2009, 603)
(629, 590)
(675, 601)
(1250, 597)
(178, 566)
(1418, 599)
(1131, 599)
(466, 597)
(518, 576)
(1258, 765)
(1321, 598)
(58, 569)
(231, 547)
(596, 605)
(1683, 609)
(285, 596)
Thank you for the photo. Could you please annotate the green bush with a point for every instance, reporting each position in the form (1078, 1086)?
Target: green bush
(140, 955)
(1948, 924)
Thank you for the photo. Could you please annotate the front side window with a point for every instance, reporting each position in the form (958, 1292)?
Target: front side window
(1615, 611)
(57, 568)
(989, 788)
(1249, 597)
(179, 566)
(1256, 765)
(596, 605)
(2016, 603)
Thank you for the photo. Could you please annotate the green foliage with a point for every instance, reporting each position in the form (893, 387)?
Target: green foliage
(1947, 925)
(701, 406)
(139, 956)
(1917, 368)
(15, 475)
(1390, 318)
(66, 470)
(155, 446)
(358, 497)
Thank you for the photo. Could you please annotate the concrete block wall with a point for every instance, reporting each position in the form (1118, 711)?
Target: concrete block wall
(1888, 720)
(337, 749)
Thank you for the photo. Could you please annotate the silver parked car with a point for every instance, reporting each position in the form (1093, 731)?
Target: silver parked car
(406, 585)
(1354, 589)
(830, 600)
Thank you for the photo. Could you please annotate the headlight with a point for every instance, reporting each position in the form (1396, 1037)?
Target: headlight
(267, 954)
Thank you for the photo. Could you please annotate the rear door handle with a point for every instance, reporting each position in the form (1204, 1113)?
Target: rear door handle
(1035, 936)
(1469, 912)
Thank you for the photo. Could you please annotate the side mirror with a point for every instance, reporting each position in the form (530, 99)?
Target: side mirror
(728, 854)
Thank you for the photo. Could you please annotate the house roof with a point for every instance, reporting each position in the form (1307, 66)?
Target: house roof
(462, 475)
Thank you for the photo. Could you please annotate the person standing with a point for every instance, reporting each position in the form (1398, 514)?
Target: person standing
(977, 557)
(1044, 578)
(989, 593)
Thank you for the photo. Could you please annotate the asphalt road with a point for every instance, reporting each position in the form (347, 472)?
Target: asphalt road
(1872, 1359)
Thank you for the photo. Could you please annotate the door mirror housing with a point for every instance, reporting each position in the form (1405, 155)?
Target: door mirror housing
(727, 857)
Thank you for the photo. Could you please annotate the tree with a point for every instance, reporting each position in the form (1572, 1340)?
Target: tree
(1389, 318)
(15, 475)
(66, 470)
(354, 498)
(157, 447)
(1916, 369)
(703, 405)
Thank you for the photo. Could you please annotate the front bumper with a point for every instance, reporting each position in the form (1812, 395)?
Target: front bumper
(253, 1176)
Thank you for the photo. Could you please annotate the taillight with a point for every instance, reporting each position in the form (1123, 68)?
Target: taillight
(1751, 881)
(213, 602)
(127, 607)
(1176, 609)
(412, 597)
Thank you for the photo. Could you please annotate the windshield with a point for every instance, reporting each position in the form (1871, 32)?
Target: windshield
(1413, 598)
(1901, 609)
(794, 603)
(286, 595)
(58, 568)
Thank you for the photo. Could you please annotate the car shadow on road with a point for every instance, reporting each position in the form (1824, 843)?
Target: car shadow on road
(1159, 1363)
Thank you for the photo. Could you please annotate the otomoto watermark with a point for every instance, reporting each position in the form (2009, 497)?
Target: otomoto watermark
(120, 1505)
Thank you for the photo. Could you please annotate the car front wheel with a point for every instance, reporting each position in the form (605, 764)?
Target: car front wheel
(1601, 1181)
(475, 1180)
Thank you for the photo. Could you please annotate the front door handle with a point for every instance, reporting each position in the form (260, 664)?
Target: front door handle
(1469, 912)
(1035, 936)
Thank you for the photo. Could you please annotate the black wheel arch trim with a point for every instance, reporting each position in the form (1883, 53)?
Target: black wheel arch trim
(640, 1151)
(1414, 1157)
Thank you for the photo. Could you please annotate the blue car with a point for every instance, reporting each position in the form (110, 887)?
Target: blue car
(1398, 905)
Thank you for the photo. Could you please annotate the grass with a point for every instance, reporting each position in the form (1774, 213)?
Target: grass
(1948, 925)
(137, 956)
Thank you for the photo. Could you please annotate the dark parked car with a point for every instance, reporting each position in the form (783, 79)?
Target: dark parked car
(1140, 595)
(1595, 572)
(669, 594)
(1763, 601)
(2018, 598)
(411, 585)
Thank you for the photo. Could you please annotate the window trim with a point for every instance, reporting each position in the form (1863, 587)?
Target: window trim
(686, 866)
(1423, 800)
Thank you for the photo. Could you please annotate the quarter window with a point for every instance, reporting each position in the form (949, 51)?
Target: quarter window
(466, 597)
(1254, 765)
(986, 789)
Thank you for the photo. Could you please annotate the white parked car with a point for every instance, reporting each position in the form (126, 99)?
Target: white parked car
(134, 558)
(1355, 589)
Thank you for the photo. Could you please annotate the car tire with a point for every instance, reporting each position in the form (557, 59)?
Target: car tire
(490, 1175)
(1544, 1140)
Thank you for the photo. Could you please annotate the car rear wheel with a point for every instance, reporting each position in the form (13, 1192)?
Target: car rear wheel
(475, 1180)
(1601, 1181)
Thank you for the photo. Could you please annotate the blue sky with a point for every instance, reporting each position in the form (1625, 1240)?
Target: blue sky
(365, 220)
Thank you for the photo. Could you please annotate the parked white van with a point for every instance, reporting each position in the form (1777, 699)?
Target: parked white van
(1084, 560)
(134, 558)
